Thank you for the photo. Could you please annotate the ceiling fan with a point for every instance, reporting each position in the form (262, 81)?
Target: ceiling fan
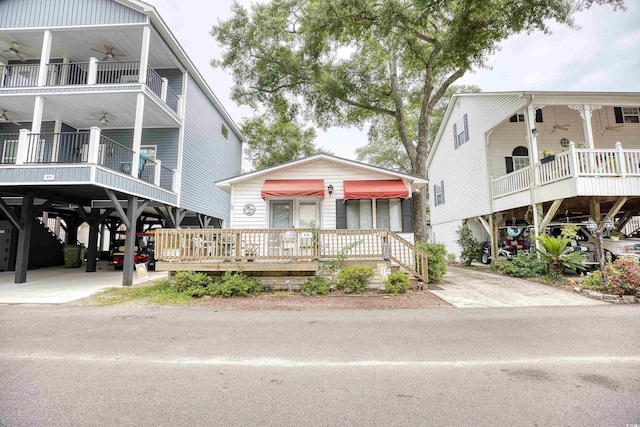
(556, 126)
(108, 53)
(4, 118)
(101, 118)
(608, 126)
(15, 49)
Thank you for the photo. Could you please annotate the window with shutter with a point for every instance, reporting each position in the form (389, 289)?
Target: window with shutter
(461, 132)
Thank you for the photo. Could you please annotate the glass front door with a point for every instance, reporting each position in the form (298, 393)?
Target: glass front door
(282, 214)
(308, 214)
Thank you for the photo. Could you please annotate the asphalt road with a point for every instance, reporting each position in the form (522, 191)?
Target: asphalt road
(550, 366)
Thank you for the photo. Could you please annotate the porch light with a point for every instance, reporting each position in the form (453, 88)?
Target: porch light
(608, 224)
(330, 189)
(535, 132)
(591, 225)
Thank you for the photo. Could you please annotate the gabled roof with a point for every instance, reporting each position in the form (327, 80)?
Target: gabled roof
(177, 49)
(528, 94)
(227, 183)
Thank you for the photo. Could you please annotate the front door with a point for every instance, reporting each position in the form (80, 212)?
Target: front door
(281, 213)
(308, 214)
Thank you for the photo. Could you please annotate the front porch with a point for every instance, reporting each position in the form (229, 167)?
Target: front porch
(282, 250)
(571, 173)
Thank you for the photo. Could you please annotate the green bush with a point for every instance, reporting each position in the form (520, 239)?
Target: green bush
(593, 281)
(470, 246)
(190, 279)
(235, 285)
(525, 265)
(315, 285)
(354, 279)
(396, 283)
(436, 253)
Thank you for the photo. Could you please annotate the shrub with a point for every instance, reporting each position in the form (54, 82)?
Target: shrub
(470, 246)
(354, 279)
(570, 231)
(623, 277)
(315, 285)
(190, 279)
(525, 265)
(451, 257)
(235, 285)
(558, 255)
(397, 283)
(436, 253)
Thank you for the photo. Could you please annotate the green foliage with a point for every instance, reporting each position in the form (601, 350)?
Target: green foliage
(525, 265)
(354, 279)
(191, 280)
(235, 285)
(592, 281)
(470, 246)
(558, 255)
(436, 253)
(315, 285)
(623, 275)
(271, 141)
(397, 283)
(570, 231)
(328, 270)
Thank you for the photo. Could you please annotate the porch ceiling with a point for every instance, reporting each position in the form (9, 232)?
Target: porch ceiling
(76, 44)
(77, 109)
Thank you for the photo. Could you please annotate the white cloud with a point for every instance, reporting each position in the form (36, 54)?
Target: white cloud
(628, 41)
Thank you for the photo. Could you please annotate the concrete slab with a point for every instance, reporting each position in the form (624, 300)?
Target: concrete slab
(470, 288)
(58, 285)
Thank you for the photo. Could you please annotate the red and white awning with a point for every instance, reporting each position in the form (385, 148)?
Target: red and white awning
(382, 189)
(293, 187)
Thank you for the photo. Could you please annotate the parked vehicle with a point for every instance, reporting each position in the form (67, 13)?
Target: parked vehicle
(504, 252)
(143, 250)
(623, 247)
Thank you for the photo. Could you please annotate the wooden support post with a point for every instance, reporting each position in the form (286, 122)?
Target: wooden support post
(493, 236)
(484, 223)
(130, 241)
(594, 210)
(613, 211)
(92, 244)
(238, 246)
(24, 239)
(550, 214)
(624, 220)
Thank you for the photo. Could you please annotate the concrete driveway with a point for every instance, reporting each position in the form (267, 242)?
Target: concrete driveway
(470, 288)
(57, 285)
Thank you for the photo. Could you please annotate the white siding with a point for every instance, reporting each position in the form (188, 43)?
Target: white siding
(446, 233)
(333, 173)
(464, 170)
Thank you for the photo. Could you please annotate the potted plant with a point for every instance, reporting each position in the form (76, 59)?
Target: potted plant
(547, 156)
(616, 235)
(250, 252)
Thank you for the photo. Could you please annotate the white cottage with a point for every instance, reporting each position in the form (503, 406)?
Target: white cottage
(326, 191)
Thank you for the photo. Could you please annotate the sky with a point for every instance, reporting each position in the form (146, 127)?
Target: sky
(603, 55)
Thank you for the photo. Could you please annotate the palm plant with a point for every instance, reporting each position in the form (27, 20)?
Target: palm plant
(556, 252)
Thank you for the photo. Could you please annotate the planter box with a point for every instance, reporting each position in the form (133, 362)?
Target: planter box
(547, 159)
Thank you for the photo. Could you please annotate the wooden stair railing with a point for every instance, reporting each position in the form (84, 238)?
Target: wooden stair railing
(408, 256)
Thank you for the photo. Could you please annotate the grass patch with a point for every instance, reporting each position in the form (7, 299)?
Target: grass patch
(160, 292)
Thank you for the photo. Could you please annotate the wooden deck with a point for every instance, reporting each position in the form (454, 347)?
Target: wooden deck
(281, 250)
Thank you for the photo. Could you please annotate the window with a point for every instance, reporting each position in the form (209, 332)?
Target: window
(388, 214)
(438, 192)
(225, 132)
(631, 114)
(520, 158)
(519, 118)
(460, 132)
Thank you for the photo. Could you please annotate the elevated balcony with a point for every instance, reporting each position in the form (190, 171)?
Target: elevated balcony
(575, 172)
(89, 73)
(82, 158)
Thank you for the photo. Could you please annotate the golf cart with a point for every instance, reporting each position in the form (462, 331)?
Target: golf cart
(143, 250)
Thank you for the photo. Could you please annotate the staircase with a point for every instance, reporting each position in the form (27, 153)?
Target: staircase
(46, 248)
(408, 256)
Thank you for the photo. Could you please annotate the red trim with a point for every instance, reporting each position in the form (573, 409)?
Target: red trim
(293, 187)
(382, 189)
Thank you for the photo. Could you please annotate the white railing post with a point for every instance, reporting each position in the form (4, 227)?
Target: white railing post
(174, 180)
(157, 172)
(573, 160)
(620, 160)
(179, 105)
(94, 145)
(92, 78)
(163, 91)
(23, 147)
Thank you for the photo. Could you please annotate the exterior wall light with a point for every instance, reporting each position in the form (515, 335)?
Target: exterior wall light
(330, 189)
(535, 132)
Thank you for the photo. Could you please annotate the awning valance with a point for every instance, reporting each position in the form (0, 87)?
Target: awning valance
(293, 187)
(383, 189)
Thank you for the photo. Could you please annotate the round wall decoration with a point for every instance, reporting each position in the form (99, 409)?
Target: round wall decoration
(249, 209)
(564, 142)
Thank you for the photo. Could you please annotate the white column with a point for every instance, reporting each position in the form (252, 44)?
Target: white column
(137, 135)
(163, 92)
(23, 147)
(45, 218)
(573, 160)
(94, 145)
(585, 113)
(622, 166)
(44, 57)
(92, 78)
(158, 171)
(64, 70)
(56, 227)
(38, 110)
(530, 120)
(144, 54)
(55, 148)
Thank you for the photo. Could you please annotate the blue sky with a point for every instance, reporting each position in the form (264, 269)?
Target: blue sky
(603, 55)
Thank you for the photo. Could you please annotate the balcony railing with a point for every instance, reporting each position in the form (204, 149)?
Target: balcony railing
(147, 170)
(64, 147)
(87, 73)
(167, 177)
(512, 182)
(115, 156)
(555, 170)
(9, 148)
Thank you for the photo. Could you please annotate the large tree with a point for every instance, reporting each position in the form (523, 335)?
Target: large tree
(345, 62)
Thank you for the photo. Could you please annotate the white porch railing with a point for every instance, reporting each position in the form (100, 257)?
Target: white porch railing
(512, 182)
(573, 163)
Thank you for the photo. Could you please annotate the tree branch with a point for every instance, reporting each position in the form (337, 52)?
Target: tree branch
(399, 114)
(380, 110)
(445, 85)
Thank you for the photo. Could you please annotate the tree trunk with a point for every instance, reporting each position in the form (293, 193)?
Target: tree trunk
(420, 215)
